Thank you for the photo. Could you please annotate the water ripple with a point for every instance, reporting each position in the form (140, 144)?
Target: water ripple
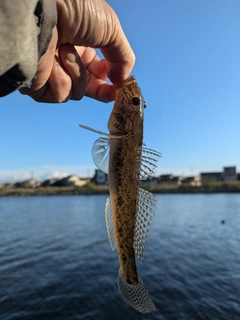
(56, 261)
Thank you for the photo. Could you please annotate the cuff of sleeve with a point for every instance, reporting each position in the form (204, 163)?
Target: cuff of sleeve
(46, 13)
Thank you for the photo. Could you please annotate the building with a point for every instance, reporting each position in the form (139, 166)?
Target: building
(149, 181)
(209, 177)
(229, 174)
(100, 177)
(177, 180)
(31, 183)
(49, 182)
(170, 179)
(166, 178)
(70, 181)
(194, 181)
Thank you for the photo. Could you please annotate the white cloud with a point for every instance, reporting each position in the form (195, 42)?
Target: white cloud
(45, 172)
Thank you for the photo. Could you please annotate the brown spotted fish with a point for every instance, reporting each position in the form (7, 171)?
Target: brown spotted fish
(129, 209)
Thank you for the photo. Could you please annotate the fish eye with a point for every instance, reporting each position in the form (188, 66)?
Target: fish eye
(144, 105)
(135, 101)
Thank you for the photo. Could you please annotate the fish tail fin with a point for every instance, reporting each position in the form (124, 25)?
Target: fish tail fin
(136, 295)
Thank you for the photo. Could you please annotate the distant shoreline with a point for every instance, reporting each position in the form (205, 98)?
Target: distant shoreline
(98, 190)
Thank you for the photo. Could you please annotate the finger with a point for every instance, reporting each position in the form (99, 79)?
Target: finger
(57, 88)
(100, 90)
(98, 27)
(119, 55)
(59, 83)
(93, 63)
(75, 68)
(51, 83)
(120, 64)
(97, 87)
(45, 65)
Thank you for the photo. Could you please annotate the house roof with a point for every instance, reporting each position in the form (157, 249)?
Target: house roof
(208, 174)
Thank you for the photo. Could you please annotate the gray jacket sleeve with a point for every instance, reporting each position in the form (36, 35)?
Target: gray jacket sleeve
(25, 31)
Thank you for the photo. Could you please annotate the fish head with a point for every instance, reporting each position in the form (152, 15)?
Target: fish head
(128, 109)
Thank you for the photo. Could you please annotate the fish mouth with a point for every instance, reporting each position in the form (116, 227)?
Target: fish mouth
(129, 80)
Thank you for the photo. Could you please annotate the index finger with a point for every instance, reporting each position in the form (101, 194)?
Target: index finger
(119, 68)
(119, 55)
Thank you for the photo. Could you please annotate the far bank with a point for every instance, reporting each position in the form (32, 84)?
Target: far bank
(92, 189)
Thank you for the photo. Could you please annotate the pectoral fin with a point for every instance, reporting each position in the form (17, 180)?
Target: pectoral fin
(100, 153)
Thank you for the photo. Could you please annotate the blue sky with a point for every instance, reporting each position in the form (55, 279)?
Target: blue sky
(188, 67)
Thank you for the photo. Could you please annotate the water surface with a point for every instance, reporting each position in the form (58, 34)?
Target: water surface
(56, 261)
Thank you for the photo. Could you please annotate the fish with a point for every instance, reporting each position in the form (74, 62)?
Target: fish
(129, 210)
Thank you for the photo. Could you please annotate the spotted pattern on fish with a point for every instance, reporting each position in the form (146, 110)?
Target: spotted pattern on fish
(124, 169)
(129, 210)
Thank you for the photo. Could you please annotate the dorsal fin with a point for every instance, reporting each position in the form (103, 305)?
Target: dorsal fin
(149, 160)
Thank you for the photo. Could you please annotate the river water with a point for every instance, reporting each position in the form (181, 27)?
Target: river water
(56, 261)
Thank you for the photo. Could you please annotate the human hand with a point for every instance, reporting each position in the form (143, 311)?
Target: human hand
(71, 67)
